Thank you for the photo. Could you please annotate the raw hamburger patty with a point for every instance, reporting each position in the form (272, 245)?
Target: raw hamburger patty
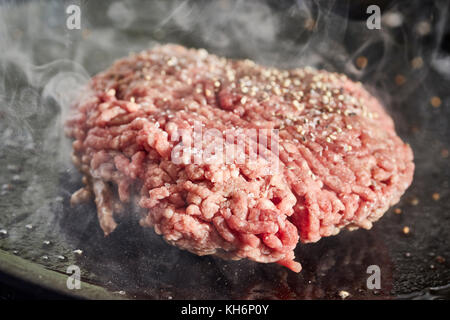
(341, 163)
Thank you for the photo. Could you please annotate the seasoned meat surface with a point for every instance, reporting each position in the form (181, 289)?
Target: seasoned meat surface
(296, 155)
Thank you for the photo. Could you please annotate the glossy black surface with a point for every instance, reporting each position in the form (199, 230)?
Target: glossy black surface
(37, 178)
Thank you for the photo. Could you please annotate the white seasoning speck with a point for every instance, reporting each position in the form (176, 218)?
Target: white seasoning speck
(344, 294)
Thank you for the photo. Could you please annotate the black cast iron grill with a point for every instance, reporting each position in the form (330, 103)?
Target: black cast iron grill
(37, 178)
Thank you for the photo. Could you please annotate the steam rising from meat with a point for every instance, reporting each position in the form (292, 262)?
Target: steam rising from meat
(302, 33)
(44, 64)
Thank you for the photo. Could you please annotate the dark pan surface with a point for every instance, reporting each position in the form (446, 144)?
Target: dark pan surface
(37, 177)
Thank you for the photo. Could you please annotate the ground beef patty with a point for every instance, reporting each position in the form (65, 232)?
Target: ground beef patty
(341, 163)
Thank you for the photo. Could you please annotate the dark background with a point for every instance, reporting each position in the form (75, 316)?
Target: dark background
(42, 64)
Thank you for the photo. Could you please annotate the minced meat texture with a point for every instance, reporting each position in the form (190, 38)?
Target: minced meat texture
(341, 163)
